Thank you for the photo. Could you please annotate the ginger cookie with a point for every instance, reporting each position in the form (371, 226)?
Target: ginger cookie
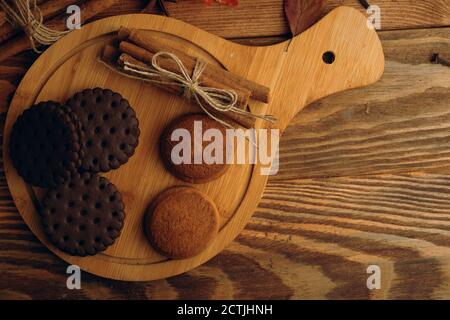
(84, 215)
(181, 222)
(189, 170)
(110, 128)
(46, 144)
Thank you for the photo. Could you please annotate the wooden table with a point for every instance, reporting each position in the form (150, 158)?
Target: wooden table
(364, 179)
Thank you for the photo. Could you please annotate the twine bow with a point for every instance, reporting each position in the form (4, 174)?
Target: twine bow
(221, 100)
(26, 15)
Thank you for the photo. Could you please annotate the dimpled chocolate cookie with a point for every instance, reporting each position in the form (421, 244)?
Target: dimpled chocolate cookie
(110, 127)
(45, 144)
(192, 172)
(84, 215)
(181, 222)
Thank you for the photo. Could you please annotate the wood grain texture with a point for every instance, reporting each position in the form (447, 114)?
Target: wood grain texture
(266, 17)
(295, 71)
(317, 249)
(398, 124)
(308, 239)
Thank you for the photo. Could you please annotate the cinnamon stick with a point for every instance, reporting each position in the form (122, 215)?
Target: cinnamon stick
(156, 44)
(125, 58)
(243, 120)
(21, 43)
(116, 60)
(6, 91)
(88, 9)
(12, 73)
(146, 56)
(109, 55)
(49, 9)
(112, 57)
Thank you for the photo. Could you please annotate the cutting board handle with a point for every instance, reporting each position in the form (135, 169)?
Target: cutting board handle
(340, 52)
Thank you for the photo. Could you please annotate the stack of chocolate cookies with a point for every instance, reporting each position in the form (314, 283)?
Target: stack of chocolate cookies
(62, 148)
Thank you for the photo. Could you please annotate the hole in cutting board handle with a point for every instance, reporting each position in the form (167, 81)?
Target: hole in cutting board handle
(329, 57)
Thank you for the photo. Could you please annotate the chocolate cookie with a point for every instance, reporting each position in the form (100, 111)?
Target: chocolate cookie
(84, 215)
(110, 127)
(190, 171)
(181, 222)
(45, 144)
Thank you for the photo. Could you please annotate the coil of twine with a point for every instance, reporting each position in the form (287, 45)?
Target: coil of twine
(25, 14)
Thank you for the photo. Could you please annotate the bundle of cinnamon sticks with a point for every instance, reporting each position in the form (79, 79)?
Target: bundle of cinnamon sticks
(14, 41)
(138, 47)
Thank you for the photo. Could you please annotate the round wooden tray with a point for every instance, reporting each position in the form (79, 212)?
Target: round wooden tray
(295, 72)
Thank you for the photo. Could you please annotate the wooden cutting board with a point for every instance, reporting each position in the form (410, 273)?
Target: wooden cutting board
(295, 71)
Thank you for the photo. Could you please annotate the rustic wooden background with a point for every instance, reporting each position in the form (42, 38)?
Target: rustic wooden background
(364, 179)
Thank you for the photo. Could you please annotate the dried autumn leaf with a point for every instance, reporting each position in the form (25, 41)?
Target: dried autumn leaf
(302, 14)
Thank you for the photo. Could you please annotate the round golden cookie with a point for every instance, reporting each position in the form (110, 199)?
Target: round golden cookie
(192, 172)
(181, 222)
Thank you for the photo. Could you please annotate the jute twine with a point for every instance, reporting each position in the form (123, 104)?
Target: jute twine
(25, 14)
(220, 100)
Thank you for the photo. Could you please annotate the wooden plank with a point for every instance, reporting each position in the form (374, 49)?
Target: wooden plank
(132, 257)
(125, 7)
(416, 46)
(396, 125)
(266, 17)
(310, 237)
